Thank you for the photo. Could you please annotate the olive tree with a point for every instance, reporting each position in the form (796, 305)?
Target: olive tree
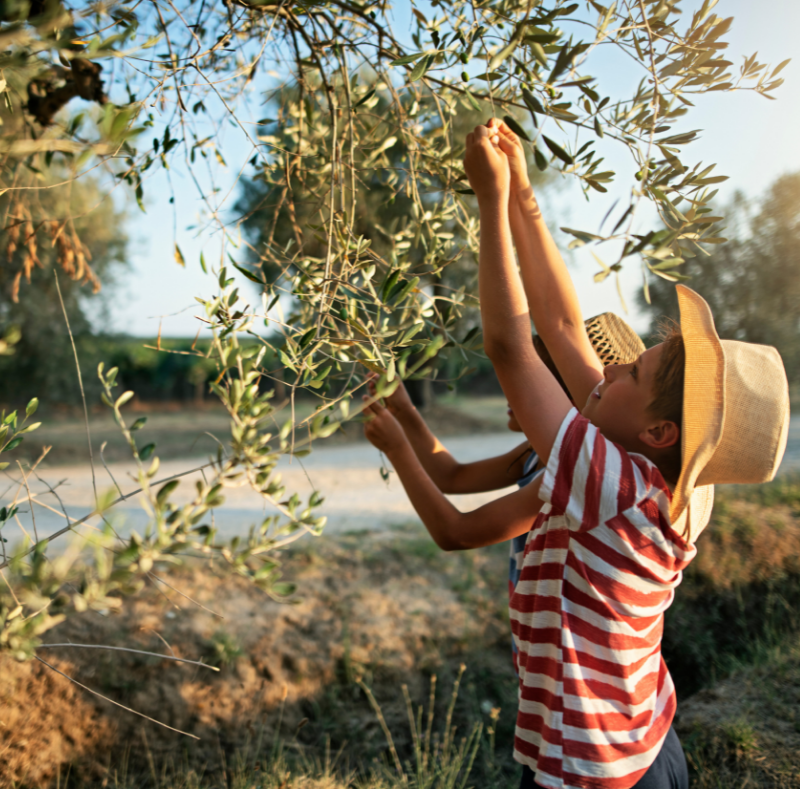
(355, 111)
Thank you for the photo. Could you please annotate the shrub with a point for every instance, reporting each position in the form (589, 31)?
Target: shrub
(741, 594)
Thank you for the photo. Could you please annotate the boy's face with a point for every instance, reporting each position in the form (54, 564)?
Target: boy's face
(618, 406)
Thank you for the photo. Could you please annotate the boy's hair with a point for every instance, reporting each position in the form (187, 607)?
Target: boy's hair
(667, 400)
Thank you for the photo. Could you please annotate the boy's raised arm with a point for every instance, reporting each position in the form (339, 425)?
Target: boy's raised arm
(536, 398)
(452, 530)
(551, 296)
(445, 471)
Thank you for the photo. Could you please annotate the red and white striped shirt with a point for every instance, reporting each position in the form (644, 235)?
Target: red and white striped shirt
(600, 568)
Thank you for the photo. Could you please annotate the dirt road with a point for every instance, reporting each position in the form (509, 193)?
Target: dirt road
(356, 498)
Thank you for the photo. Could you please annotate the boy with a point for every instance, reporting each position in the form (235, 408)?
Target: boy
(626, 491)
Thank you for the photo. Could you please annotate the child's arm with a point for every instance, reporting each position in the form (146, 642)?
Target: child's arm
(445, 471)
(539, 403)
(452, 530)
(552, 300)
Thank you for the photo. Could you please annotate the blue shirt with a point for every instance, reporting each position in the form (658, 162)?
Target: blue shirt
(517, 544)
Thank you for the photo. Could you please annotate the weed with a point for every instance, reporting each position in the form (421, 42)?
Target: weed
(741, 736)
(225, 649)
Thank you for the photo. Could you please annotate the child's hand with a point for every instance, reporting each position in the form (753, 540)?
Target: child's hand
(382, 430)
(511, 146)
(486, 165)
(398, 402)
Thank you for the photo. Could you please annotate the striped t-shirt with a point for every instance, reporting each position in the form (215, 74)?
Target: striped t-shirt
(600, 568)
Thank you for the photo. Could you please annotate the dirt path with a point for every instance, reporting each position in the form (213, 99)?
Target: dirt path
(356, 498)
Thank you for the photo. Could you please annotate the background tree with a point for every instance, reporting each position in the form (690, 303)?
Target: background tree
(94, 252)
(752, 282)
(276, 213)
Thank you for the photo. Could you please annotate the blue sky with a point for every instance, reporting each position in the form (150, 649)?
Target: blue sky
(752, 140)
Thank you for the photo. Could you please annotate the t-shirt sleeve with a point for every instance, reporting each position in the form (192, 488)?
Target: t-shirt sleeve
(589, 478)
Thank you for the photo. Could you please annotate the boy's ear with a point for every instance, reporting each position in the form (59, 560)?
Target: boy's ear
(661, 435)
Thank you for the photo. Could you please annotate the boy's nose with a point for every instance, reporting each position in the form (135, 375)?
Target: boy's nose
(613, 371)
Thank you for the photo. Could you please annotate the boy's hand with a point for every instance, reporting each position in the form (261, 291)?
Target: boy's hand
(382, 430)
(398, 402)
(486, 165)
(511, 146)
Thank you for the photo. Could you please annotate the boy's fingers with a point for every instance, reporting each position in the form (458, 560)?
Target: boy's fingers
(373, 406)
(506, 145)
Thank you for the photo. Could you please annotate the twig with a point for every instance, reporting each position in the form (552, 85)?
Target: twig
(105, 466)
(94, 512)
(30, 501)
(80, 384)
(10, 588)
(183, 594)
(158, 635)
(115, 703)
(126, 649)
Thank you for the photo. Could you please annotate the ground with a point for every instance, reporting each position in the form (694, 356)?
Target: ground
(381, 608)
(386, 609)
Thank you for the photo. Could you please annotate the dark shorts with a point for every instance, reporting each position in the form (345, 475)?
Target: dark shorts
(668, 771)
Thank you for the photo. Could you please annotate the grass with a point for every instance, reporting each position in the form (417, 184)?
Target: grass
(746, 748)
(439, 756)
(745, 730)
(179, 430)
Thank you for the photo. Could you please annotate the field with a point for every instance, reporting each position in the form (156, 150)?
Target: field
(311, 694)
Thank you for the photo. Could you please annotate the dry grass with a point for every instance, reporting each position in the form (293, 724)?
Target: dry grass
(388, 609)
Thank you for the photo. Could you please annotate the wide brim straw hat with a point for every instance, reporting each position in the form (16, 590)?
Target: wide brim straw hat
(735, 415)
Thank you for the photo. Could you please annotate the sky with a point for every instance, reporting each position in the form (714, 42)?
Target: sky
(752, 140)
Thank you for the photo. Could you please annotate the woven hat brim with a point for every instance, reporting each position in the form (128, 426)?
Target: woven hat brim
(703, 398)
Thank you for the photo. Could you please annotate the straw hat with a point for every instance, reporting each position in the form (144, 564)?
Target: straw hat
(613, 340)
(735, 414)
